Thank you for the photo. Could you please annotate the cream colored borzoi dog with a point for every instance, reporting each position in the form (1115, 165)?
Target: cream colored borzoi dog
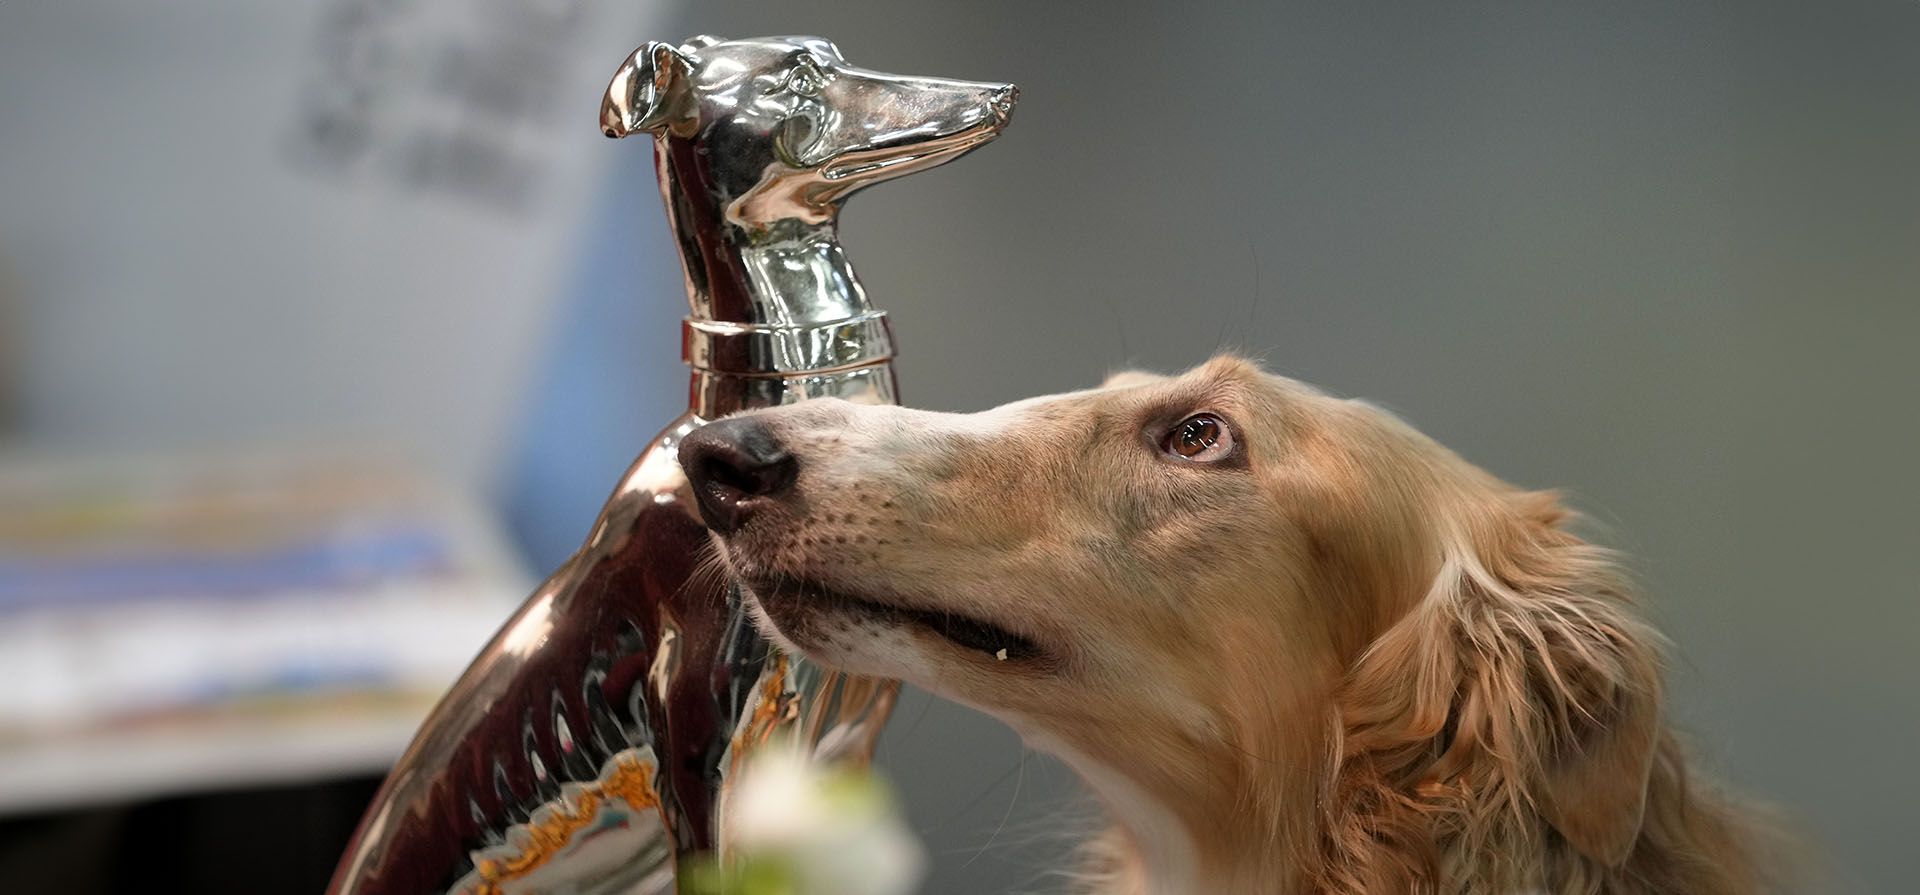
(1291, 643)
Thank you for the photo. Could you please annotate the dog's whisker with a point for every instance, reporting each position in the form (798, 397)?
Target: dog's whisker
(963, 810)
(709, 569)
(1018, 783)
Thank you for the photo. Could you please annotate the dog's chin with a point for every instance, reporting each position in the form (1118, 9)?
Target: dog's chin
(865, 635)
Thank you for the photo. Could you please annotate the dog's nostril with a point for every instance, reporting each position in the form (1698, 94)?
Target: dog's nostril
(757, 477)
(724, 474)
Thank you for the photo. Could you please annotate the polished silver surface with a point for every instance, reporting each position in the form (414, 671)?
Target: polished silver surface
(725, 346)
(713, 393)
(588, 747)
(758, 143)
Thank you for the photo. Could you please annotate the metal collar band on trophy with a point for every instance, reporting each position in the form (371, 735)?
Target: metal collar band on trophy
(590, 745)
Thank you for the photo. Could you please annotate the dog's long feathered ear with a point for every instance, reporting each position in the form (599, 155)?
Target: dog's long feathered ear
(1522, 681)
(648, 93)
(1594, 784)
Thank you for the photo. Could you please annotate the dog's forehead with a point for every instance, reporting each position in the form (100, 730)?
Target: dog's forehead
(817, 45)
(767, 50)
(1226, 378)
(727, 74)
(1255, 384)
(1219, 383)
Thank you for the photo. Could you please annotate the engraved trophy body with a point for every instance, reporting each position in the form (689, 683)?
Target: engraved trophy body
(586, 748)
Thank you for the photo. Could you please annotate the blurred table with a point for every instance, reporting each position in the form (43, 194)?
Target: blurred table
(182, 625)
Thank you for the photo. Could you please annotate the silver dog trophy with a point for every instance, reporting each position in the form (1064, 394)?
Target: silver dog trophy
(588, 746)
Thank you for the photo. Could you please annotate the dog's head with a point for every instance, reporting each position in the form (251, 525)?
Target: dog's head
(1090, 536)
(785, 127)
(1191, 582)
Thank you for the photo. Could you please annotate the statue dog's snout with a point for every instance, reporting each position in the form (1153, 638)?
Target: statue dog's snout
(1002, 101)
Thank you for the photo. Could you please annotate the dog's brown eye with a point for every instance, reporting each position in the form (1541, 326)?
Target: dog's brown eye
(1201, 437)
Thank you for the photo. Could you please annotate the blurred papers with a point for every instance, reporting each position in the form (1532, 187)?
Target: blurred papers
(176, 624)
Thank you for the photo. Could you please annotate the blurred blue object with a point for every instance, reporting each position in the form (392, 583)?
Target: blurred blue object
(610, 375)
(320, 564)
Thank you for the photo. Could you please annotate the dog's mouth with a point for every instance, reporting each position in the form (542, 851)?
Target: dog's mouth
(965, 631)
(910, 156)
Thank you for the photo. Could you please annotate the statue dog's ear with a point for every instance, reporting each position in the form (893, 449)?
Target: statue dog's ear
(649, 92)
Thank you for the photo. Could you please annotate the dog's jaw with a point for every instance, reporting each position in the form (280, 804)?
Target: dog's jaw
(1160, 857)
(840, 642)
(889, 639)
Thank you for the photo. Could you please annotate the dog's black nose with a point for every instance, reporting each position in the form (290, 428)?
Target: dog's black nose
(736, 467)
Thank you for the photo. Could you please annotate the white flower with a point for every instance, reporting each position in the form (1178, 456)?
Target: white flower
(831, 830)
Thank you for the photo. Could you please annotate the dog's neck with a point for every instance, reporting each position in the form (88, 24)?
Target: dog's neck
(783, 271)
(1206, 827)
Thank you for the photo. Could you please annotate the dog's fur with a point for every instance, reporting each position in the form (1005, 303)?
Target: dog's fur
(1338, 658)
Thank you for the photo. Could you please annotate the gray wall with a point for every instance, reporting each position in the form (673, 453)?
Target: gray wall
(1664, 256)
(234, 223)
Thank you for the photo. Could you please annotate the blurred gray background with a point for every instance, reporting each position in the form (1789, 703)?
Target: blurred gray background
(1663, 256)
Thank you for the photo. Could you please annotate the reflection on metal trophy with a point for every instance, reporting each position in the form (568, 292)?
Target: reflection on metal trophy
(586, 748)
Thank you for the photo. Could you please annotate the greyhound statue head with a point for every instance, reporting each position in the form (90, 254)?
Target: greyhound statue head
(759, 141)
(788, 127)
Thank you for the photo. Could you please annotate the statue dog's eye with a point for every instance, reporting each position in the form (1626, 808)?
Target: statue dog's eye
(806, 79)
(1201, 438)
